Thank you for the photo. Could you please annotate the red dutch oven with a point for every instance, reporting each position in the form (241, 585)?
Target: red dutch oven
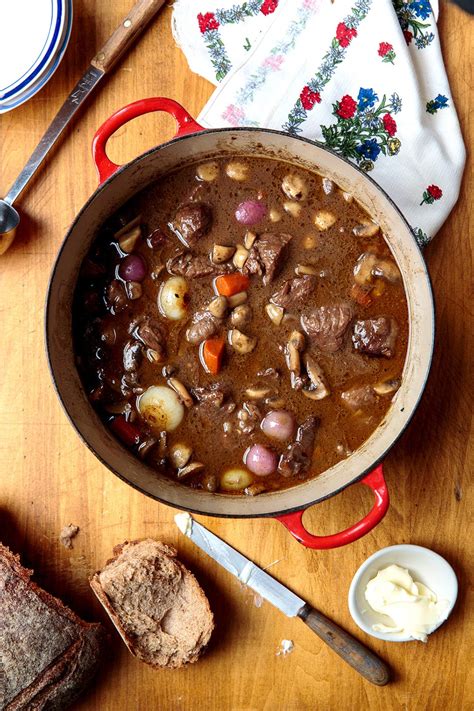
(117, 184)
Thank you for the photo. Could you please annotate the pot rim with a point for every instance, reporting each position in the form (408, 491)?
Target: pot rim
(48, 317)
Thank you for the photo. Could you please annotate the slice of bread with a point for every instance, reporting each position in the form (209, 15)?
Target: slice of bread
(48, 655)
(156, 604)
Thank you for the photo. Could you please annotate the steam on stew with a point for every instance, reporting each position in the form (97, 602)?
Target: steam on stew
(241, 325)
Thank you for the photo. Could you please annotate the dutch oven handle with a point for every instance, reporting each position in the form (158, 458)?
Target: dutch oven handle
(375, 481)
(184, 121)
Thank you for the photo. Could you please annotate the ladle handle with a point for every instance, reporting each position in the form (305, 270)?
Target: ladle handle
(121, 39)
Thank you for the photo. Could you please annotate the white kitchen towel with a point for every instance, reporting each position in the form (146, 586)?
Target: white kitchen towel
(364, 77)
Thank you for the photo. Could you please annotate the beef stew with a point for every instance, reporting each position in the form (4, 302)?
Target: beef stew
(241, 325)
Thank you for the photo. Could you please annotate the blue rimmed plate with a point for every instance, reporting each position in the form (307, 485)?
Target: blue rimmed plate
(37, 35)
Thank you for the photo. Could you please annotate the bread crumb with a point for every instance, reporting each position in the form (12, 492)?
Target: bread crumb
(286, 647)
(67, 534)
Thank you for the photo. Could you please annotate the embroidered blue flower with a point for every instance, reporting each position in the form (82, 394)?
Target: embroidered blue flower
(366, 99)
(369, 149)
(421, 8)
(423, 41)
(440, 102)
(396, 103)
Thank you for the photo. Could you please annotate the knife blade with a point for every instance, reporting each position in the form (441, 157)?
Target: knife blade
(359, 657)
(241, 567)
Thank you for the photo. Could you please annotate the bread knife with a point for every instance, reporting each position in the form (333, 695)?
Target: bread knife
(345, 645)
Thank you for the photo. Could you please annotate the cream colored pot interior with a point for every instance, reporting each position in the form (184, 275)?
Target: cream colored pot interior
(148, 168)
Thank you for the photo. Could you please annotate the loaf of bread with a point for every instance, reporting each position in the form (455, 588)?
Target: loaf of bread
(156, 604)
(48, 655)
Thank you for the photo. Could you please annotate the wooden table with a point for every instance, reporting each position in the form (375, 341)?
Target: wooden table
(49, 478)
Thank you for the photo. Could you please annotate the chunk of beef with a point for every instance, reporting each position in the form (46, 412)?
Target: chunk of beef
(203, 326)
(132, 356)
(326, 325)
(153, 335)
(195, 266)
(267, 255)
(294, 292)
(214, 394)
(116, 297)
(296, 460)
(375, 336)
(359, 398)
(192, 221)
(156, 239)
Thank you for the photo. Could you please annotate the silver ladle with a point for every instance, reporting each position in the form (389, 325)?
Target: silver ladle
(118, 43)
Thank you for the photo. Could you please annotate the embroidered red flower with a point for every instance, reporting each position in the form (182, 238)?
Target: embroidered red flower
(384, 47)
(207, 22)
(268, 6)
(309, 98)
(432, 193)
(435, 192)
(390, 124)
(408, 36)
(344, 34)
(347, 107)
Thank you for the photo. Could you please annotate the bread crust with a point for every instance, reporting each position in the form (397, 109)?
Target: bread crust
(131, 640)
(59, 665)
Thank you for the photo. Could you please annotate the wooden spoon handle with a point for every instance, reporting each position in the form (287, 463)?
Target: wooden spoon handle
(129, 29)
(348, 647)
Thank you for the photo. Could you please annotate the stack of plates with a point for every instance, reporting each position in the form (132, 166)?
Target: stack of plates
(35, 34)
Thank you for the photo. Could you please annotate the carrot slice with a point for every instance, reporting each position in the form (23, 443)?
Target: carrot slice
(230, 284)
(212, 354)
(361, 296)
(127, 432)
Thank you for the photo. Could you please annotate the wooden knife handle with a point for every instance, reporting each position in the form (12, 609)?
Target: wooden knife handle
(348, 647)
(129, 29)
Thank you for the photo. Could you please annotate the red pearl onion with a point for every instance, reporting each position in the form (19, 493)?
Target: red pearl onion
(250, 212)
(279, 424)
(132, 268)
(260, 460)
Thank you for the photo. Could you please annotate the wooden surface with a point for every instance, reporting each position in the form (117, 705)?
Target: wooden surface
(48, 478)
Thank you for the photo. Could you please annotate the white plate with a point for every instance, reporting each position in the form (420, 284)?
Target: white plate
(49, 62)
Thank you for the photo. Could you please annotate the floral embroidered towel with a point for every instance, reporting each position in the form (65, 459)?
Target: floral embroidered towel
(364, 77)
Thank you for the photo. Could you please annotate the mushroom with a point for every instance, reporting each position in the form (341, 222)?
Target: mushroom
(218, 306)
(240, 342)
(328, 186)
(257, 393)
(154, 356)
(180, 454)
(292, 208)
(318, 388)
(189, 469)
(324, 220)
(237, 170)
(222, 253)
(274, 215)
(134, 290)
(294, 186)
(182, 392)
(295, 345)
(275, 313)
(240, 256)
(310, 241)
(249, 239)
(366, 229)
(146, 446)
(128, 236)
(386, 387)
(208, 171)
(237, 299)
(302, 269)
(369, 265)
(241, 316)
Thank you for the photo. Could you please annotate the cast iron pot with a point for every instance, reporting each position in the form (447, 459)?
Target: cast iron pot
(117, 185)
